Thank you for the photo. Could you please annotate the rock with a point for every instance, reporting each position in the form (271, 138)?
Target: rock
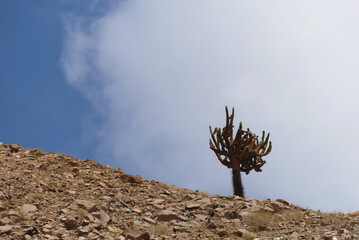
(28, 208)
(131, 179)
(136, 210)
(204, 201)
(68, 198)
(2, 207)
(36, 151)
(158, 201)
(134, 233)
(211, 224)
(268, 209)
(2, 195)
(191, 206)
(89, 206)
(14, 148)
(82, 232)
(188, 197)
(222, 233)
(282, 201)
(149, 220)
(277, 206)
(211, 212)
(6, 229)
(71, 224)
(356, 213)
(232, 215)
(200, 217)
(102, 216)
(166, 216)
(244, 233)
(294, 236)
(182, 227)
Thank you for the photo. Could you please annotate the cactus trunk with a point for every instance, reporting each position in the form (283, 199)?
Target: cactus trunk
(237, 183)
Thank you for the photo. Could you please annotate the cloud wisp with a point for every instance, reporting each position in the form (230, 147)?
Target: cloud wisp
(159, 73)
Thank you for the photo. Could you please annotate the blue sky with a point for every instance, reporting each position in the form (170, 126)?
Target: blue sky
(135, 84)
(39, 108)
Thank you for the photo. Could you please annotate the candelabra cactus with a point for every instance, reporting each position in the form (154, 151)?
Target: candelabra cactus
(241, 153)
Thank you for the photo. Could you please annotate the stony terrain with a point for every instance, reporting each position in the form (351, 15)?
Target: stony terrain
(53, 196)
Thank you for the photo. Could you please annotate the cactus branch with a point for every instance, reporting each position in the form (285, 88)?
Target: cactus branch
(243, 152)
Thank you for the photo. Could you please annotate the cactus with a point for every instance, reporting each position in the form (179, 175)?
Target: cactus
(243, 153)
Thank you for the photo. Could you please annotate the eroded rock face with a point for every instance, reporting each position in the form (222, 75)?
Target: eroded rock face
(54, 196)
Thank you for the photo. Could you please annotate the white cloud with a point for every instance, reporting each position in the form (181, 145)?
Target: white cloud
(161, 72)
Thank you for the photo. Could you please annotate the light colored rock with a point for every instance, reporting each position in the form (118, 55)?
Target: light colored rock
(268, 209)
(2, 207)
(6, 229)
(136, 210)
(158, 201)
(244, 233)
(28, 208)
(204, 201)
(149, 220)
(294, 236)
(191, 206)
(104, 217)
(201, 217)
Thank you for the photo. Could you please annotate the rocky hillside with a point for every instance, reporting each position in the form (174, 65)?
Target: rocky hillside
(54, 196)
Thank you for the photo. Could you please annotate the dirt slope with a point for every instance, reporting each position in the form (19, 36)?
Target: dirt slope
(54, 196)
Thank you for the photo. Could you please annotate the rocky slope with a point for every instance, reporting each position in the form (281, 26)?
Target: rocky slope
(53, 196)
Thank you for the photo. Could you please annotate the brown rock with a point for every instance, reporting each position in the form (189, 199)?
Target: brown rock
(222, 233)
(166, 216)
(71, 224)
(356, 213)
(2, 195)
(277, 206)
(14, 148)
(36, 151)
(89, 206)
(135, 233)
(102, 216)
(232, 215)
(211, 224)
(282, 201)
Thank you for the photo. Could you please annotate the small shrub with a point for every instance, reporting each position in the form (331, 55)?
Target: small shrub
(37, 195)
(21, 216)
(160, 229)
(261, 220)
